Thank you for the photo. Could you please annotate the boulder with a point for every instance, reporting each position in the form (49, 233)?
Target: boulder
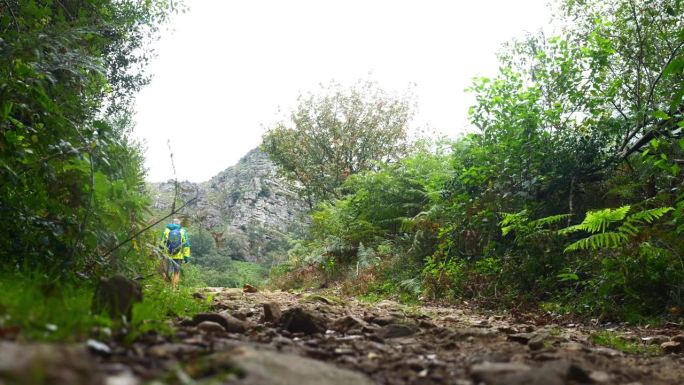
(298, 320)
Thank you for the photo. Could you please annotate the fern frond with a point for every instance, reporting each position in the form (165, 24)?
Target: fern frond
(599, 221)
(550, 220)
(609, 239)
(649, 216)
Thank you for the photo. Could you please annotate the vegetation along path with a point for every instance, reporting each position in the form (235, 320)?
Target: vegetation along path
(307, 338)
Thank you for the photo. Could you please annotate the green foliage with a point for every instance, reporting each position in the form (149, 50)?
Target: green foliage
(71, 177)
(598, 222)
(42, 309)
(582, 125)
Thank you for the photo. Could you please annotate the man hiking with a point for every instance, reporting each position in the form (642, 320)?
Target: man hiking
(176, 246)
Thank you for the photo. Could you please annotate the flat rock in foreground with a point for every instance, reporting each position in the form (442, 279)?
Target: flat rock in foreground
(262, 367)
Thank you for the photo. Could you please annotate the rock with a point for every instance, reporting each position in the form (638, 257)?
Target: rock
(262, 367)
(247, 288)
(272, 312)
(568, 370)
(599, 377)
(48, 364)
(210, 327)
(116, 296)
(396, 330)
(382, 321)
(572, 346)
(172, 350)
(606, 351)
(474, 332)
(198, 295)
(451, 318)
(655, 340)
(672, 347)
(99, 348)
(488, 372)
(298, 320)
(125, 378)
(522, 338)
(507, 329)
(319, 298)
(678, 338)
(537, 342)
(229, 323)
(347, 323)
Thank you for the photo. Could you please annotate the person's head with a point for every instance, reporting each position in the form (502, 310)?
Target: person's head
(176, 221)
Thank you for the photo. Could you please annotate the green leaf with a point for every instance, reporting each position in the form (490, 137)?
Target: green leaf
(661, 115)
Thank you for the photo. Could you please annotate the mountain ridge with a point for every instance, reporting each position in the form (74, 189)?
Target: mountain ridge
(245, 207)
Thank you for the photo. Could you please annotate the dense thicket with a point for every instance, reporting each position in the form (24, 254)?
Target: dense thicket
(569, 193)
(71, 178)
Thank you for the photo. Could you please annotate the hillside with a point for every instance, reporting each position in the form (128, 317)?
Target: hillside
(247, 208)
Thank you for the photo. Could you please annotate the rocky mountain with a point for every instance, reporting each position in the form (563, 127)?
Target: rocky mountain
(247, 208)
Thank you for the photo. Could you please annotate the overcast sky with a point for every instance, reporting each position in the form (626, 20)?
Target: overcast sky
(226, 68)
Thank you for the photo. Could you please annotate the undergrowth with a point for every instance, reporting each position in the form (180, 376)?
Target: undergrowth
(37, 309)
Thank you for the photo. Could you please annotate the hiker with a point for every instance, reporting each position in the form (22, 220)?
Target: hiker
(176, 246)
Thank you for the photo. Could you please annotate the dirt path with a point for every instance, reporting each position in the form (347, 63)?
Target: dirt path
(285, 338)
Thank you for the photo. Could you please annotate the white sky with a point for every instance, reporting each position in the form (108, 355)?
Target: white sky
(227, 67)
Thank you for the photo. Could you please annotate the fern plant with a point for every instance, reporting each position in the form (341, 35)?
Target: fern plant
(611, 228)
(524, 228)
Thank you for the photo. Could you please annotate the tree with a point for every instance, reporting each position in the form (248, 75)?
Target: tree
(71, 177)
(339, 133)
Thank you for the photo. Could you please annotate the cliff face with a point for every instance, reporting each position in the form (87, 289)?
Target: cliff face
(246, 208)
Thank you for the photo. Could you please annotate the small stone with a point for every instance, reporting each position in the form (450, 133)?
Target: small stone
(678, 338)
(347, 323)
(272, 312)
(606, 351)
(210, 327)
(229, 323)
(488, 372)
(171, 350)
(382, 321)
(99, 348)
(537, 342)
(655, 340)
(396, 330)
(247, 288)
(522, 338)
(598, 376)
(572, 346)
(671, 347)
(475, 332)
(507, 329)
(198, 295)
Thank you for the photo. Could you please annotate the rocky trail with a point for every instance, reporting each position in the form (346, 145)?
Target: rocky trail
(281, 338)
